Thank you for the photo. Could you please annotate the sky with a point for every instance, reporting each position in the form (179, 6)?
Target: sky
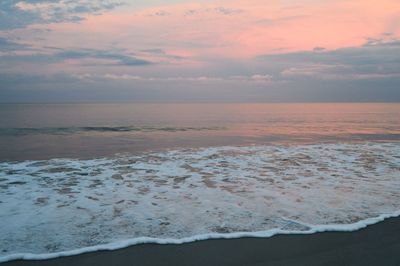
(218, 51)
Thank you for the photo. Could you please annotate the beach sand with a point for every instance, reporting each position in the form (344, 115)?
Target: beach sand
(378, 244)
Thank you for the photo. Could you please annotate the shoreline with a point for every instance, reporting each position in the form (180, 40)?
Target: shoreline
(377, 244)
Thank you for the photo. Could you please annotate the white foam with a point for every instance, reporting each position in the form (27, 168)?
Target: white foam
(148, 240)
(49, 207)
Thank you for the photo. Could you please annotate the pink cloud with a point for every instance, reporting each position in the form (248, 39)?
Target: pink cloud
(235, 29)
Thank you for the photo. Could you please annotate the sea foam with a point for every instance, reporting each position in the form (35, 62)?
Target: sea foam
(148, 240)
(64, 207)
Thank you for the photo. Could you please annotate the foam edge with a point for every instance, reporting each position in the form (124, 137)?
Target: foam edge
(149, 240)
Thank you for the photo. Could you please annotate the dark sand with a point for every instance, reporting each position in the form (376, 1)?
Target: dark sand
(378, 244)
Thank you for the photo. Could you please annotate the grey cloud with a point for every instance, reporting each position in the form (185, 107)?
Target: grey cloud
(227, 11)
(256, 78)
(160, 13)
(373, 60)
(40, 1)
(7, 45)
(318, 49)
(191, 12)
(278, 20)
(367, 54)
(217, 10)
(162, 53)
(120, 58)
(154, 51)
(12, 16)
(367, 73)
(334, 72)
(26, 79)
(62, 88)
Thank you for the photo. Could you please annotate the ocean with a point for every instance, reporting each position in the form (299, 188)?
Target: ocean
(82, 177)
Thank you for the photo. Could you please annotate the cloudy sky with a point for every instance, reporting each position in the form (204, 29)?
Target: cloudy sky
(179, 50)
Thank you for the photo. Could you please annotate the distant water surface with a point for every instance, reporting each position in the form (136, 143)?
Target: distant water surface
(44, 131)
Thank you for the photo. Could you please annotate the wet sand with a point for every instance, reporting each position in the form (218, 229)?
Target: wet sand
(378, 244)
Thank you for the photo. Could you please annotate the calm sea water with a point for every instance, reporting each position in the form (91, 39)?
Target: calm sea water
(42, 131)
(74, 176)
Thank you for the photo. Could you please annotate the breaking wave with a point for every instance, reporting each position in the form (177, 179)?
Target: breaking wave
(51, 207)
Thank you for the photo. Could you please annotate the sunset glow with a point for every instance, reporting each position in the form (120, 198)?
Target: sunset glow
(217, 42)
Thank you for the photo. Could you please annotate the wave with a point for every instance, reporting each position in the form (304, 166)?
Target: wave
(149, 240)
(74, 130)
(183, 195)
